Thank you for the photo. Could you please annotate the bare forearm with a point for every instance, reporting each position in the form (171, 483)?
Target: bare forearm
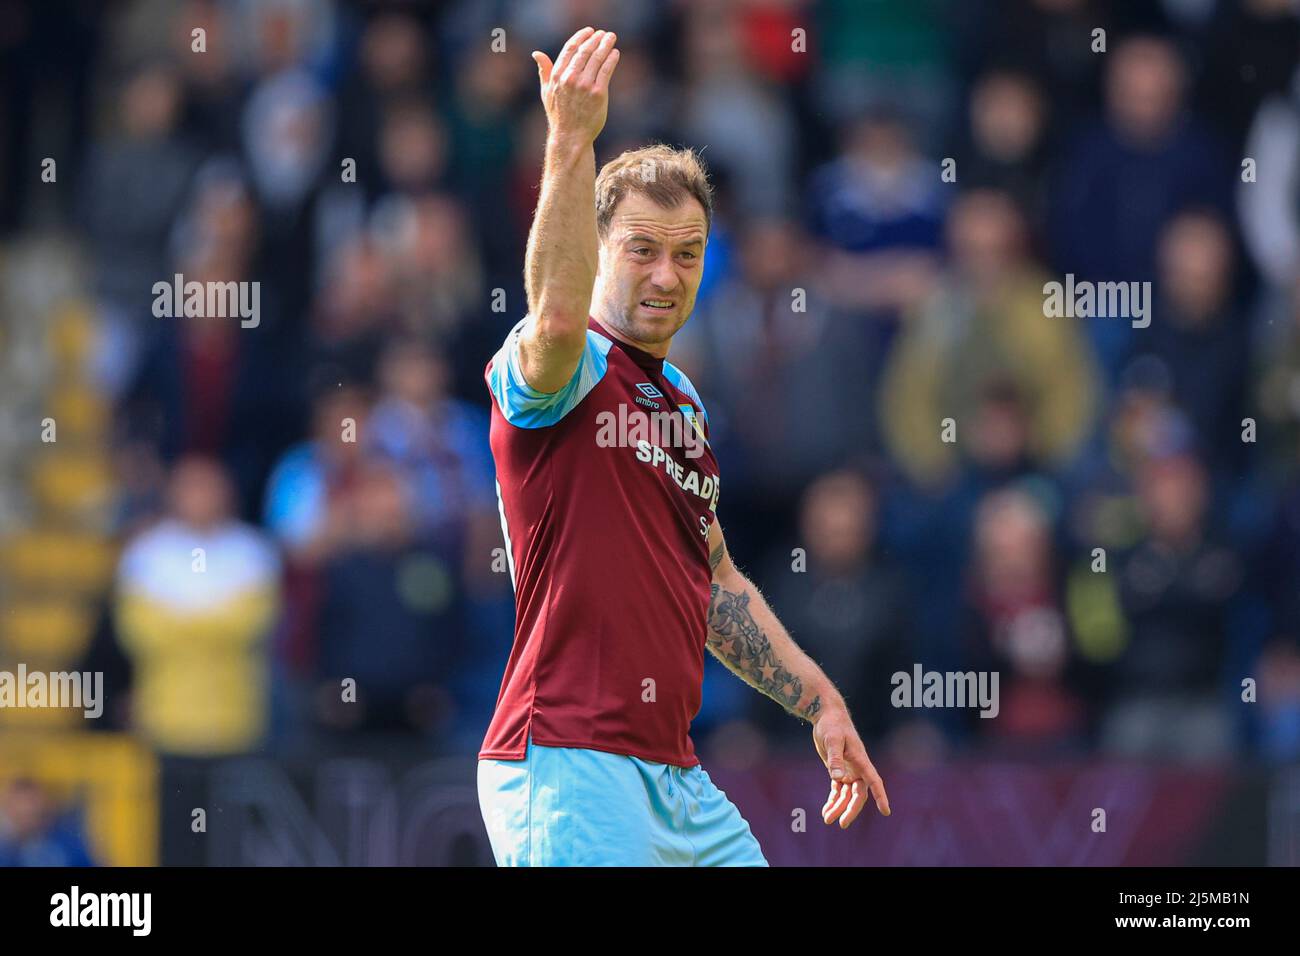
(747, 637)
(562, 255)
(560, 266)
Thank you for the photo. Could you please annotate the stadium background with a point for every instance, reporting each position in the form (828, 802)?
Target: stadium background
(878, 544)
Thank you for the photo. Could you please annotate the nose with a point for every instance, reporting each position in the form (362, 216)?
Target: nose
(664, 275)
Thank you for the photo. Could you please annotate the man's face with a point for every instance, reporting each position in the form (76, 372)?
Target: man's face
(651, 262)
(200, 493)
(1145, 86)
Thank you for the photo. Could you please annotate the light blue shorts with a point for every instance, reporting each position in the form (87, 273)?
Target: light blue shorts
(566, 806)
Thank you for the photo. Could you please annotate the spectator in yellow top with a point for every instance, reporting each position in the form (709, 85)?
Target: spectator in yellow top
(985, 324)
(197, 597)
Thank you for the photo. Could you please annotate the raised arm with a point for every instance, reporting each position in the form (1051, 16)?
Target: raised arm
(746, 636)
(560, 265)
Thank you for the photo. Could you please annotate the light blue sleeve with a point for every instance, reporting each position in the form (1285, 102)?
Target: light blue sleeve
(679, 380)
(524, 406)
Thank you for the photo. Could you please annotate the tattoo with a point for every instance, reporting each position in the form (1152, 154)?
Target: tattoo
(736, 639)
(813, 709)
(716, 557)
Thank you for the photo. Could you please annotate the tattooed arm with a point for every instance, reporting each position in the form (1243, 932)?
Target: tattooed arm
(745, 635)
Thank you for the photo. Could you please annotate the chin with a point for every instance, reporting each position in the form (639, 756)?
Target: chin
(660, 331)
(647, 328)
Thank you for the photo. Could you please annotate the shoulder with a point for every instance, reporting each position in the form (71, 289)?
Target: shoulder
(521, 404)
(139, 551)
(249, 558)
(680, 381)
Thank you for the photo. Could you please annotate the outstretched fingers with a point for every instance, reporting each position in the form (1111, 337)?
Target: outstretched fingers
(866, 771)
(580, 56)
(836, 803)
(849, 796)
(857, 800)
(599, 58)
(878, 791)
(866, 783)
(570, 48)
(607, 70)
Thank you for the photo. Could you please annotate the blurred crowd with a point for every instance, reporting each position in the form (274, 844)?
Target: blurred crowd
(1115, 528)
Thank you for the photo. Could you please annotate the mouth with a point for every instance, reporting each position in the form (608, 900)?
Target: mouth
(661, 306)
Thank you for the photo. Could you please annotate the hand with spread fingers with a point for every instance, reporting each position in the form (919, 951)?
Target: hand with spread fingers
(575, 88)
(853, 776)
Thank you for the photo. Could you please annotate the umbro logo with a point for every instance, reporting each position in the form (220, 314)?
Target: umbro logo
(648, 390)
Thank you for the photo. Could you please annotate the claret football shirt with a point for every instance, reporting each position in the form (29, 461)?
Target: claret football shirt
(607, 492)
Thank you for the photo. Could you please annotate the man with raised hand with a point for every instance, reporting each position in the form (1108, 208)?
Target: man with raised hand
(608, 494)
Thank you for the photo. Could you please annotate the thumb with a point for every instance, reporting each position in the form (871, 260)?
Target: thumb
(835, 757)
(544, 66)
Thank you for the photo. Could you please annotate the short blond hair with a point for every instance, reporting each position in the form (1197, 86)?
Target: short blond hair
(667, 176)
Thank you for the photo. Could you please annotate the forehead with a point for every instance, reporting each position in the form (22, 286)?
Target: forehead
(638, 214)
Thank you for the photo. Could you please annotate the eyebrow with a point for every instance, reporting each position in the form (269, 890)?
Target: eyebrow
(641, 237)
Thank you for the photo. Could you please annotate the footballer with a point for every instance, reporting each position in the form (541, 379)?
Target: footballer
(621, 575)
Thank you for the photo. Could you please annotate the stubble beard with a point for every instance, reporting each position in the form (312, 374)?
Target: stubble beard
(618, 314)
(652, 333)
